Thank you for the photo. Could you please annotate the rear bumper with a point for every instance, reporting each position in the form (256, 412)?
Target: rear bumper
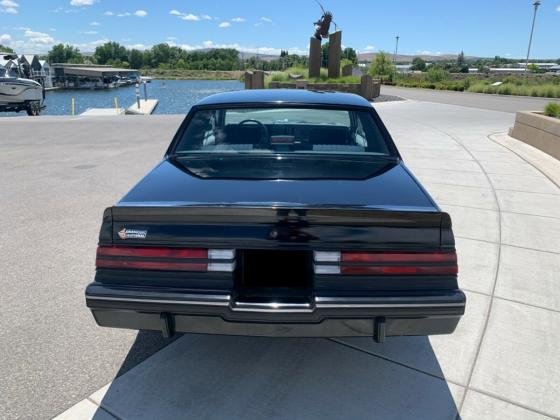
(169, 312)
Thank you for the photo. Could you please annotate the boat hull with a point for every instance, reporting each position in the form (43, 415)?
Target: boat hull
(14, 91)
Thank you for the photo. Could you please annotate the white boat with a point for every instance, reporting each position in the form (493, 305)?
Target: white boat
(17, 93)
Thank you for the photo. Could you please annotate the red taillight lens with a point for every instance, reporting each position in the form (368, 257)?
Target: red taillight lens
(129, 251)
(151, 265)
(164, 258)
(398, 257)
(387, 263)
(399, 270)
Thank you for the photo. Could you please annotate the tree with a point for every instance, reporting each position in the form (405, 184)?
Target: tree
(109, 53)
(461, 59)
(135, 58)
(533, 68)
(61, 53)
(6, 49)
(382, 65)
(350, 54)
(325, 55)
(418, 64)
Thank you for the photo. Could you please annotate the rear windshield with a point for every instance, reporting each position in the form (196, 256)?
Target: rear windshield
(282, 130)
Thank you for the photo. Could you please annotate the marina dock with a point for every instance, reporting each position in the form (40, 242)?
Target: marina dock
(101, 112)
(147, 107)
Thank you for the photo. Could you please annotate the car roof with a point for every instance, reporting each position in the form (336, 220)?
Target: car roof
(287, 96)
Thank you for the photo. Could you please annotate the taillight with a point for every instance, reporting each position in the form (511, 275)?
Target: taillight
(386, 263)
(165, 258)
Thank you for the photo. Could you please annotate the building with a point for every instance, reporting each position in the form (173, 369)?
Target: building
(541, 66)
(7, 65)
(44, 75)
(403, 68)
(36, 69)
(90, 76)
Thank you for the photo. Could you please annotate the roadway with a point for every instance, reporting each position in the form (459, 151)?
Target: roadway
(502, 103)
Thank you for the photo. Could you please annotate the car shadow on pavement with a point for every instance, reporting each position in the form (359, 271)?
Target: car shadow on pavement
(145, 345)
(205, 376)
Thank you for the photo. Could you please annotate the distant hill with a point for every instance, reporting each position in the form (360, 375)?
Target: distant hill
(244, 55)
(404, 58)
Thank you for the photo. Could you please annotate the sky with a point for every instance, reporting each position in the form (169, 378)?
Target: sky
(483, 28)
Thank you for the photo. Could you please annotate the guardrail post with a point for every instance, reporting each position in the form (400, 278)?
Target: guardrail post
(137, 86)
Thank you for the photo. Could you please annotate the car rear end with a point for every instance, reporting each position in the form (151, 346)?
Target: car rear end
(279, 214)
(276, 273)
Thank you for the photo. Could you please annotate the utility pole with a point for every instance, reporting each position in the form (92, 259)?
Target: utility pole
(396, 48)
(536, 5)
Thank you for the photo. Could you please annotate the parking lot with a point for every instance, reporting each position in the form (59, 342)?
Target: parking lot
(59, 173)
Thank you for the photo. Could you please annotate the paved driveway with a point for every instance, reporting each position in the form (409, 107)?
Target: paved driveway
(503, 103)
(503, 360)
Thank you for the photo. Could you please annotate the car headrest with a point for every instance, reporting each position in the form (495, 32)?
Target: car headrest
(242, 134)
(330, 135)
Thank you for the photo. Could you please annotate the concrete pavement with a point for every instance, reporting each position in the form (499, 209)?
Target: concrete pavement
(501, 362)
(503, 103)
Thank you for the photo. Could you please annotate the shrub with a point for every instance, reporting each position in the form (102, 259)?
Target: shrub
(552, 109)
(279, 77)
(381, 65)
(435, 74)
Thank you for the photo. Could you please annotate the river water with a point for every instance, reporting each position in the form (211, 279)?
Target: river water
(175, 96)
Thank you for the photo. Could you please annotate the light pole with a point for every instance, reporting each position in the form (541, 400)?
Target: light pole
(536, 5)
(396, 48)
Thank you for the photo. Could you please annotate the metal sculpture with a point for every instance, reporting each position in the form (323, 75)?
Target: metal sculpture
(323, 25)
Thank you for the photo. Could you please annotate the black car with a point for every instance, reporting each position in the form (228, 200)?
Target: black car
(279, 213)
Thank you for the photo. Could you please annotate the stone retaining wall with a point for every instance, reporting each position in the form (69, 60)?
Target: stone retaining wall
(539, 131)
(368, 88)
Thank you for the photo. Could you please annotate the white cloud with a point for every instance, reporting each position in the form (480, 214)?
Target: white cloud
(139, 13)
(31, 42)
(224, 25)
(39, 37)
(81, 3)
(90, 46)
(5, 39)
(263, 20)
(90, 32)
(189, 16)
(369, 48)
(558, 8)
(140, 47)
(238, 19)
(248, 49)
(61, 9)
(94, 24)
(9, 6)
(172, 38)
